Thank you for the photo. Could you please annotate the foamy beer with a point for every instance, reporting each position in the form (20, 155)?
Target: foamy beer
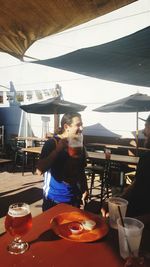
(75, 145)
(18, 222)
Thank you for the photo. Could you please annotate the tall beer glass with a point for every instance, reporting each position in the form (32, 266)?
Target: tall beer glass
(75, 145)
(18, 222)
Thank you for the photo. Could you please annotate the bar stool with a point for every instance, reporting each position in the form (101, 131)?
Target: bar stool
(18, 154)
(91, 172)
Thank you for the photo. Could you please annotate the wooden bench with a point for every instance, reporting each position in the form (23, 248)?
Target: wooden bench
(3, 162)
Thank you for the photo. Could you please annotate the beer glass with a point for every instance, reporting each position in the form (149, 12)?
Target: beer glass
(75, 145)
(17, 223)
(107, 153)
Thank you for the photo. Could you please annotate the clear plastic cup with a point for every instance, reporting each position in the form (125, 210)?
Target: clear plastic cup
(129, 237)
(113, 204)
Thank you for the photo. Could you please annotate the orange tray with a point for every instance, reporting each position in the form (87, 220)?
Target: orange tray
(60, 226)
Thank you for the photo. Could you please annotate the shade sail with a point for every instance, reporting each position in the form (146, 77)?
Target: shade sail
(23, 22)
(126, 60)
(53, 106)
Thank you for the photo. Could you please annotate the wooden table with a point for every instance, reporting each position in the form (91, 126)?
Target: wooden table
(117, 163)
(116, 146)
(3, 161)
(114, 157)
(92, 155)
(31, 138)
(48, 250)
(32, 150)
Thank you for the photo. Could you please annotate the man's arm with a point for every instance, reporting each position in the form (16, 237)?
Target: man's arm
(128, 191)
(84, 186)
(45, 162)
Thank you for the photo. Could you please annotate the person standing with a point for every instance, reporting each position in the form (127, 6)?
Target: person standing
(64, 175)
(138, 193)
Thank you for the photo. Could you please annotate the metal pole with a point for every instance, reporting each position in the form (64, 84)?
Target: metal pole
(137, 132)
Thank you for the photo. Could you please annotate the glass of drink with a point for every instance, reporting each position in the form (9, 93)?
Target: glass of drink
(113, 204)
(75, 145)
(129, 237)
(17, 223)
(107, 153)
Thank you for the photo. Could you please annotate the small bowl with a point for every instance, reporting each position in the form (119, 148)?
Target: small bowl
(88, 224)
(75, 228)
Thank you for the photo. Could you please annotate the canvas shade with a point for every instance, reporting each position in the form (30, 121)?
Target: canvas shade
(99, 130)
(53, 106)
(22, 22)
(126, 60)
(133, 103)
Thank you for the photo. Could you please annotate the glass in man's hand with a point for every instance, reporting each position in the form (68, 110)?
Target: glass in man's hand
(75, 145)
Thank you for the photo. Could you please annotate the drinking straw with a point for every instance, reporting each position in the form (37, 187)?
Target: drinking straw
(122, 222)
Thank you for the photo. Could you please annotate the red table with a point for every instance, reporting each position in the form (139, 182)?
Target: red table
(48, 250)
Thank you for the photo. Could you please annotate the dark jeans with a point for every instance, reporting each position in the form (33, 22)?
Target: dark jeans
(49, 203)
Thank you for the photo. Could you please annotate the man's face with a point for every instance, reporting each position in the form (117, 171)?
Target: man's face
(76, 126)
(146, 133)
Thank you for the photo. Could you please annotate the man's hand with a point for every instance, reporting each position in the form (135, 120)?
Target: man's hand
(38, 172)
(104, 210)
(84, 197)
(62, 144)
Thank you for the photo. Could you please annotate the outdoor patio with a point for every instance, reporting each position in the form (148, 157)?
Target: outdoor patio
(27, 188)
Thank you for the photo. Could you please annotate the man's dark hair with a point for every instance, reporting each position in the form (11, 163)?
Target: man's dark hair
(67, 119)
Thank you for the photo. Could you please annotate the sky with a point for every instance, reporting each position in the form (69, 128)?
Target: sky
(79, 88)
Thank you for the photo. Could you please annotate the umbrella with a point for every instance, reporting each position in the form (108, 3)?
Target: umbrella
(133, 103)
(53, 106)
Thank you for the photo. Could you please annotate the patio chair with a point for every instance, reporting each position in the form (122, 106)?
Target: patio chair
(16, 147)
(97, 175)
